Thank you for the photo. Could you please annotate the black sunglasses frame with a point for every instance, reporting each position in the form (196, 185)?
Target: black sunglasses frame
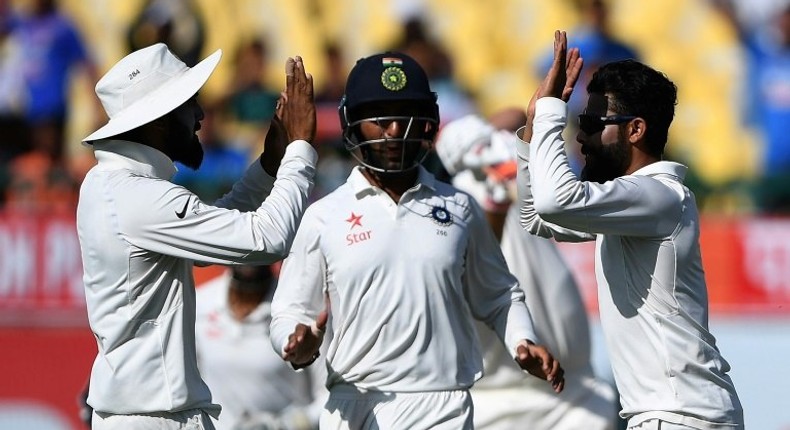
(591, 124)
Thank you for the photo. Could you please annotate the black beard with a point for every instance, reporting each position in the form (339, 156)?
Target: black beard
(608, 162)
(189, 154)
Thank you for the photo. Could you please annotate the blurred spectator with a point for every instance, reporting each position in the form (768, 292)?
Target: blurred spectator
(453, 100)
(222, 164)
(53, 49)
(255, 387)
(334, 162)
(767, 102)
(249, 103)
(334, 83)
(598, 45)
(38, 185)
(250, 100)
(13, 97)
(327, 98)
(176, 23)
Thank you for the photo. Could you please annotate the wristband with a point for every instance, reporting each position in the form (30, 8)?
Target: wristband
(307, 363)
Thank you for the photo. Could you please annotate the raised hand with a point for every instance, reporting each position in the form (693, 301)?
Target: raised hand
(564, 71)
(296, 107)
(537, 360)
(303, 343)
(294, 116)
(560, 79)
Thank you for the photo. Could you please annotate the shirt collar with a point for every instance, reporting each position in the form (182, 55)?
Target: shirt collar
(663, 168)
(361, 186)
(139, 158)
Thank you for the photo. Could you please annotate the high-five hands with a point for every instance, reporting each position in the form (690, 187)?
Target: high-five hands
(559, 80)
(295, 117)
(303, 344)
(296, 107)
(537, 360)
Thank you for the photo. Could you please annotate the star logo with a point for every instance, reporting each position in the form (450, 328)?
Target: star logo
(355, 220)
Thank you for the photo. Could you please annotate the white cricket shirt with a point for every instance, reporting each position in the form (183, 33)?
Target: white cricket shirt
(651, 286)
(404, 281)
(246, 376)
(556, 307)
(140, 236)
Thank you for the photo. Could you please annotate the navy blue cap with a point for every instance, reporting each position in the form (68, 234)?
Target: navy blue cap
(389, 76)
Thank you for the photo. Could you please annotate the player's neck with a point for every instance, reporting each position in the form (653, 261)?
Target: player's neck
(242, 302)
(394, 184)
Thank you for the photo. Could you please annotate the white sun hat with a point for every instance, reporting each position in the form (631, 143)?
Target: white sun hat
(148, 84)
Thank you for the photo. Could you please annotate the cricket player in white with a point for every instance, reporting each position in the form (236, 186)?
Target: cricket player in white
(251, 382)
(140, 234)
(405, 263)
(651, 285)
(480, 154)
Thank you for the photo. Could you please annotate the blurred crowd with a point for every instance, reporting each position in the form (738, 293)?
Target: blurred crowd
(731, 60)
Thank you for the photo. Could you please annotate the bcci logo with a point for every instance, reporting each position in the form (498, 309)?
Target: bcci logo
(441, 216)
(393, 78)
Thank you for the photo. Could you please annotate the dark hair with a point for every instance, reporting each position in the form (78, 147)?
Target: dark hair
(634, 88)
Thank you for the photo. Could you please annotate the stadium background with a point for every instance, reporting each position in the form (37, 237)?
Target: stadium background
(46, 348)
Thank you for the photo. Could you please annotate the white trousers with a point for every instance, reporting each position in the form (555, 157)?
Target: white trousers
(586, 403)
(350, 409)
(657, 424)
(194, 419)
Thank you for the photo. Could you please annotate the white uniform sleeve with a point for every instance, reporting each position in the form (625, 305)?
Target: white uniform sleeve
(492, 292)
(171, 220)
(528, 217)
(299, 297)
(630, 205)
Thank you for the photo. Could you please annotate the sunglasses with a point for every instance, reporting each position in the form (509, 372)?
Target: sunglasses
(591, 124)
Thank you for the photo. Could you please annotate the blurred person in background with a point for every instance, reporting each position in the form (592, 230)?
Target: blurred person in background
(652, 295)
(248, 103)
(38, 186)
(766, 93)
(255, 387)
(405, 264)
(176, 23)
(417, 43)
(454, 101)
(140, 235)
(335, 163)
(331, 91)
(481, 156)
(53, 50)
(13, 97)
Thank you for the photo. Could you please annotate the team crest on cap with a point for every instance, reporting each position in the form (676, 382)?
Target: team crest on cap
(393, 78)
(441, 216)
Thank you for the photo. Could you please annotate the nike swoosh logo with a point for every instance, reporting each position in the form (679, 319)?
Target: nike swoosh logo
(183, 211)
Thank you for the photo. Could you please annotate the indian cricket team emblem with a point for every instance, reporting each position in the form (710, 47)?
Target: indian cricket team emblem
(393, 78)
(441, 216)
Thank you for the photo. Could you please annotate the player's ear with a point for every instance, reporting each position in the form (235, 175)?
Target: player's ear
(636, 129)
